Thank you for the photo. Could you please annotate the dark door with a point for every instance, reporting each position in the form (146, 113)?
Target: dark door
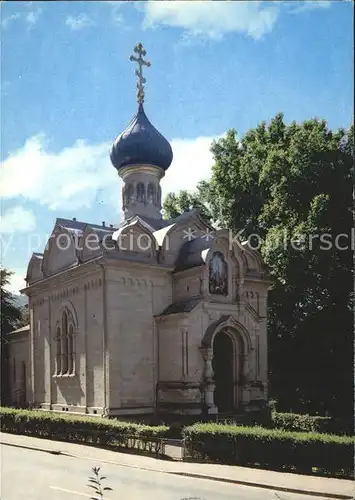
(222, 365)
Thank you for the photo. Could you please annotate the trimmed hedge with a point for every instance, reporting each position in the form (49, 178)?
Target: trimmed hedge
(83, 429)
(308, 423)
(272, 448)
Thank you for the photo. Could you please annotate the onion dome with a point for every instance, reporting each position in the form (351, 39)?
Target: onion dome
(141, 144)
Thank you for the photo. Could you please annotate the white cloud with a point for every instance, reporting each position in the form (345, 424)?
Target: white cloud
(213, 18)
(74, 176)
(308, 5)
(5, 23)
(116, 9)
(68, 179)
(79, 22)
(17, 281)
(32, 17)
(17, 219)
(192, 163)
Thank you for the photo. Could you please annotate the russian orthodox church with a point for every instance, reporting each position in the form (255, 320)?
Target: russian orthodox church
(150, 317)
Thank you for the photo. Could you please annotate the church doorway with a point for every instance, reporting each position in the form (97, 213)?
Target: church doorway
(223, 369)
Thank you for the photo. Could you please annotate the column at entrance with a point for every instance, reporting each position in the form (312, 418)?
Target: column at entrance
(209, 385)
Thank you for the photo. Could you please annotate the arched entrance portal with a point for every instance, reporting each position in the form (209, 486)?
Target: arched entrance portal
(224, 372)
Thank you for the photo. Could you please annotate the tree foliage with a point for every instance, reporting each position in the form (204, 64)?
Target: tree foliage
(291, 185)
(10, 316)
(175, 205)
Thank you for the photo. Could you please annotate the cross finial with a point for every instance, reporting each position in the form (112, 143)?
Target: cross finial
(138, 49)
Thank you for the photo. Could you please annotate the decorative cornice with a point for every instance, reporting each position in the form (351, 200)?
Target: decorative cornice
(65, 294)
(144, 168)
(62, 278)
(133, 281)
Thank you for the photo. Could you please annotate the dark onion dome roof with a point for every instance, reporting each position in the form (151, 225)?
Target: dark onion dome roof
(141, 143)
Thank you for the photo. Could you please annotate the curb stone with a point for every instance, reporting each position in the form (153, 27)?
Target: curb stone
(194, 475)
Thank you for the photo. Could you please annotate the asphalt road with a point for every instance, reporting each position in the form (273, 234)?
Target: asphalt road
(35, 475)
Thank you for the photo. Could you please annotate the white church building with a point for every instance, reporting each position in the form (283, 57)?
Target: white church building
(150, 317)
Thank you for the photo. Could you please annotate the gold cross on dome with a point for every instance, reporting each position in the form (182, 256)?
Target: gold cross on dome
(138, 49)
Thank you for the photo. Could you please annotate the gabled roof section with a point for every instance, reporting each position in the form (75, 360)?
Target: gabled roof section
(181, 219)
(23, 329)
(80, 226)
(181, 306)
(192, 253)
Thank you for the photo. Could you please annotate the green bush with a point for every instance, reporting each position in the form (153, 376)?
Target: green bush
(272, 448)
(82, 429)
(299, 423)
(308, 423)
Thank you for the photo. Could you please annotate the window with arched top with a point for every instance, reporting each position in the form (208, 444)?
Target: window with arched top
(58, 351)
(71, 353)
(151, 193)
(129, 194)
(65, 344)
(140, 192)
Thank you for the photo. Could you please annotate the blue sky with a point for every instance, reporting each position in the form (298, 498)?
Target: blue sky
(68, 88)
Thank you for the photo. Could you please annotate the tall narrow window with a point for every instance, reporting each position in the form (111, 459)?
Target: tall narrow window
(140, 192)
(14, 369)
(129, 191)
(71, 353)
(151, 193)
(64, 343)
(58, 352)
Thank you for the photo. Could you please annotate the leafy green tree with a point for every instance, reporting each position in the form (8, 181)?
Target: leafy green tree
(10, 315)
(175, 205)
(285, 183)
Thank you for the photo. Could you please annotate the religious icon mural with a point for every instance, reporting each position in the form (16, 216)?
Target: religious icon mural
(218, 274)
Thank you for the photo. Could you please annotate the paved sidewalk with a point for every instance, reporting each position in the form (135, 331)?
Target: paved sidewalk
(278, 481)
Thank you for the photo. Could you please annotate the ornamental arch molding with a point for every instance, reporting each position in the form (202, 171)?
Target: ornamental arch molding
(71, 312)
(232, 327)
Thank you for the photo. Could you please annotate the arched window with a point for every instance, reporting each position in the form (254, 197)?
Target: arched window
(71, 353)
(129, 194)
(65, 345)
(151, 193)
(140, 192)
(58, 360)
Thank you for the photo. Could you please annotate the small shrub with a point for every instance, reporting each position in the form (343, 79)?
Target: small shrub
(83, 429)
(308, 423)
(272, 448)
